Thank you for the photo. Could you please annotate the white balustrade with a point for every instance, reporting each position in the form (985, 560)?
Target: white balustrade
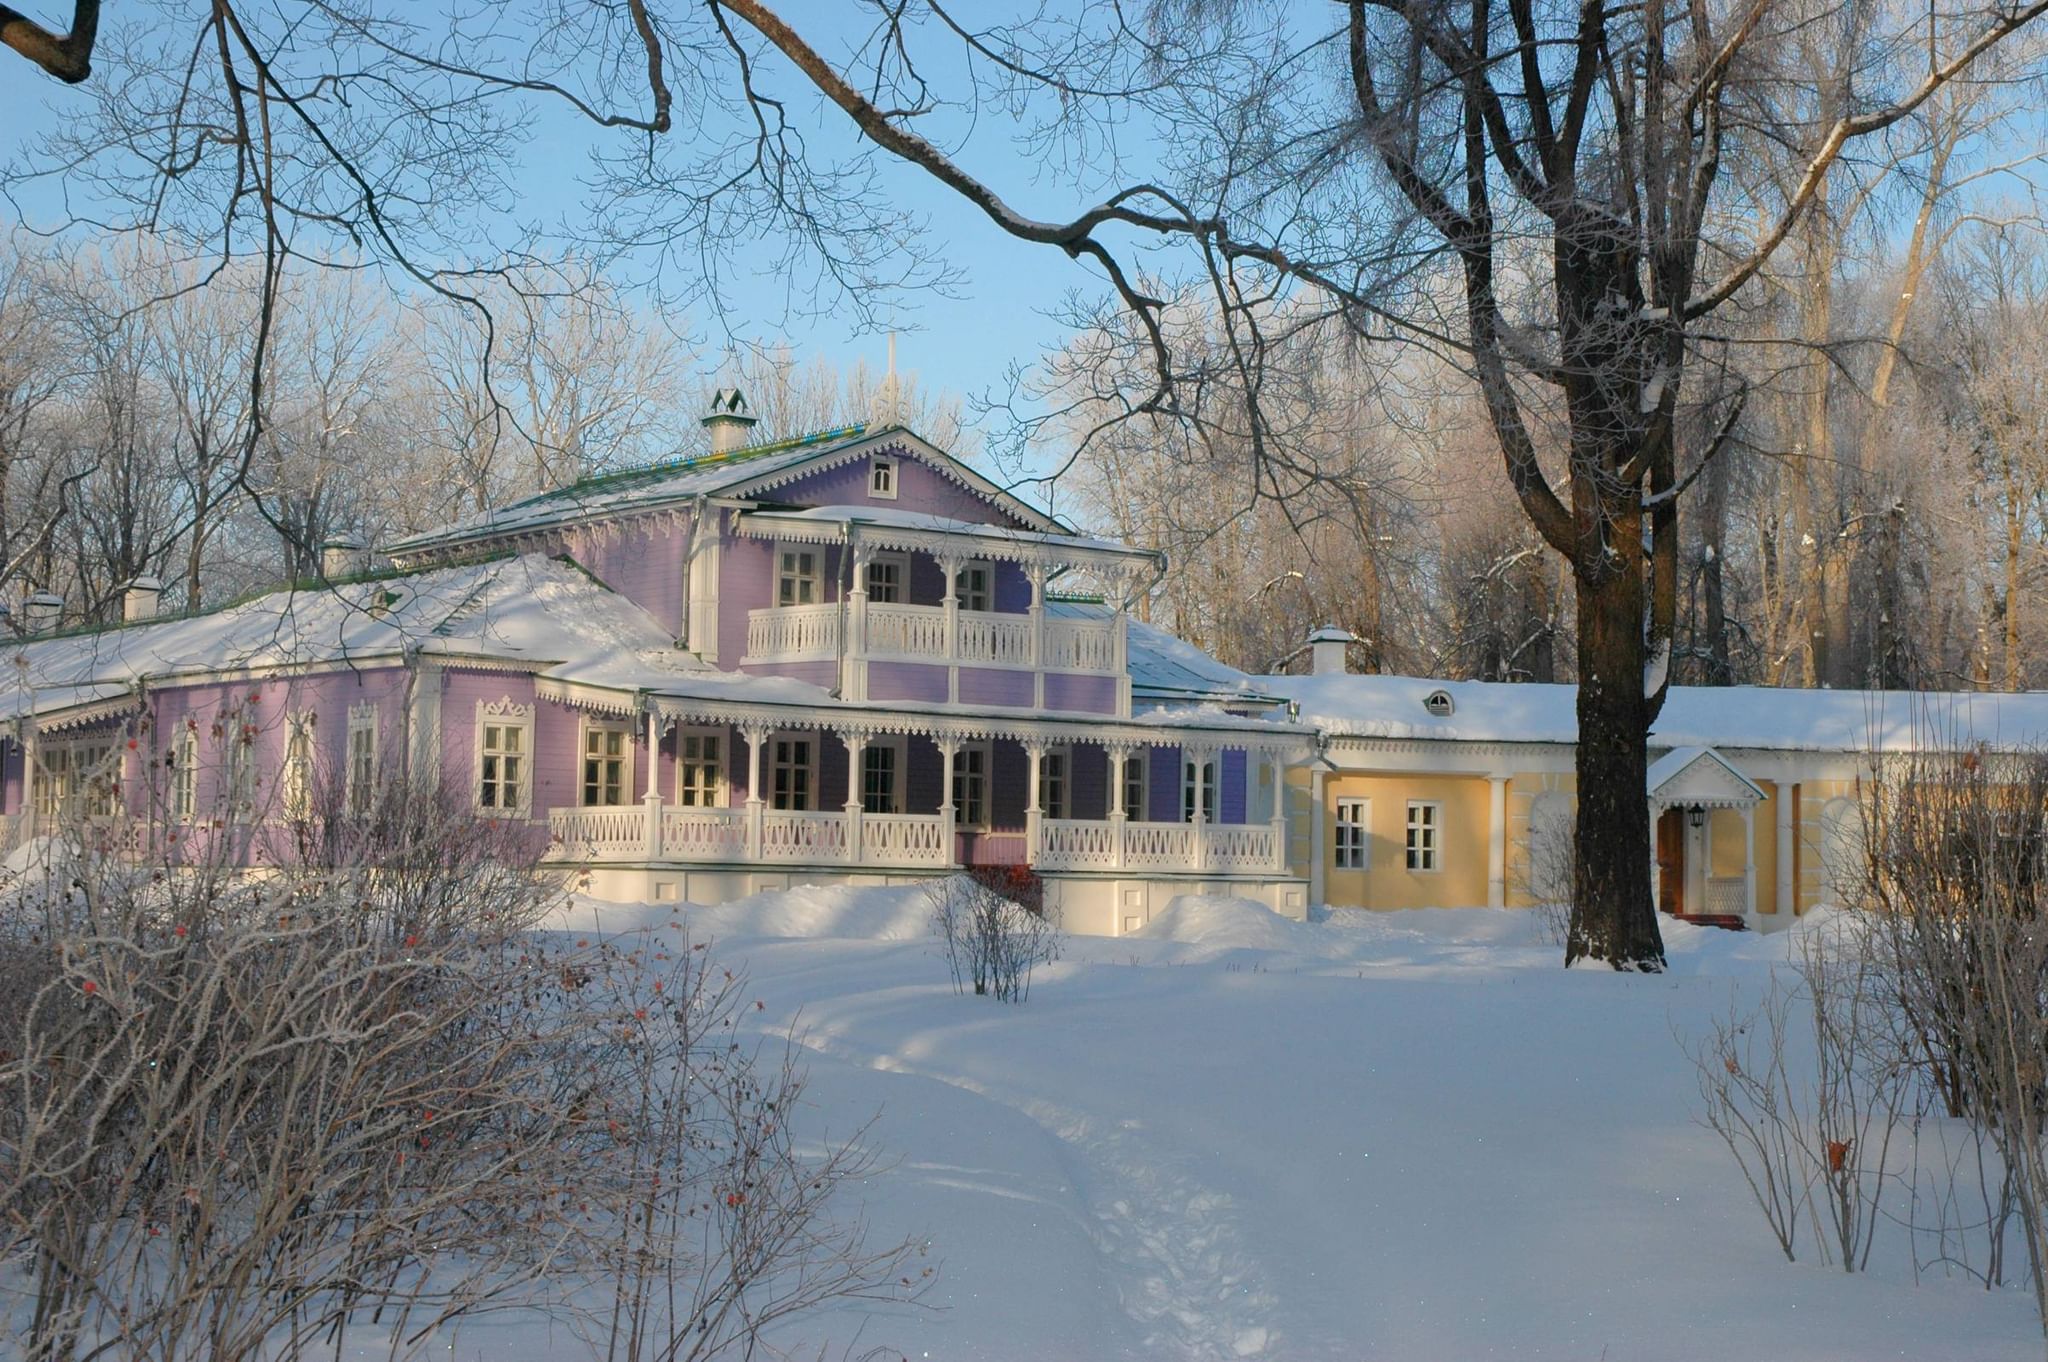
(1080, 646)
(614, 829)
(906, 631)
(792, 632)
(998, 640)
(1727, 895)
(1239, 846)
(803, 837)
(1159, 846)
(693, 834)
(1076, 844)
(911, 840)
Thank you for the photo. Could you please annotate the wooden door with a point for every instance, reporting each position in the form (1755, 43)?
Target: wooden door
(1671, 860)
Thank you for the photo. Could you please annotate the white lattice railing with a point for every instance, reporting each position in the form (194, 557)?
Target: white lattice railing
(1239, 846)
(1076, 844)
(906, 631)
(999, 640)
(1080, 646)
(1727, 894)
(616, 828)
(803, 836)
(797, 631)
(702, 834)
(904, 839)
(1159, 846)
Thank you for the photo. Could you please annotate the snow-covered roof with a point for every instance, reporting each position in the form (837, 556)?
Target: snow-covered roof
(520, 609)
(737, 472)
(1763, 717)
(1165, 668)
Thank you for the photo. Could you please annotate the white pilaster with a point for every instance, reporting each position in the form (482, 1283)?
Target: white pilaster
(1497, 842)
(1783, 793)
(1749, 859)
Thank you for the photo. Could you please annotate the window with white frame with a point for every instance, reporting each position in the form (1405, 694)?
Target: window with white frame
(607, 765)
(1354, 840)
(970, 787)
(888, 577)
(504, 767)
(882, 478)
(1135, 808)
(1187, 792)
(359, 775)
(184, 762)
(974, 585)
(80, 778)
(881, 776)
(238, 774)
(1052, 783)
(798, 580)
(296, 784)
(1425, 835)
(700, 768)
(791, 771)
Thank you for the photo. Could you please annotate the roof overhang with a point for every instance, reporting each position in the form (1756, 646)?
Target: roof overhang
(841, 525)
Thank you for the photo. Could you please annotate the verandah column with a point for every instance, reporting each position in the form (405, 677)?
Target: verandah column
(1036, 572)
(1119, 754)
(1276, 776)
(856, 791)
(949, 747)
(1197, 758)
(949, 564)
(651, 801)
(1034, 811)
(756, 735)
(1749, 859)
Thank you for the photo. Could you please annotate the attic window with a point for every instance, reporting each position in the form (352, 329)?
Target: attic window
(882, 479)
(1438, 703)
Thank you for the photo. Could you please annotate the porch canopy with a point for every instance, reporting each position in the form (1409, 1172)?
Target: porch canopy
(1699, 778)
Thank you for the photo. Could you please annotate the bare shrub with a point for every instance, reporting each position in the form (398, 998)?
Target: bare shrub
(340, 1104)
(992, 943)
(1813, 1134)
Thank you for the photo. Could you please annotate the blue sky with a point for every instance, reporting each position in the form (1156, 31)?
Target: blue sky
(964, 343)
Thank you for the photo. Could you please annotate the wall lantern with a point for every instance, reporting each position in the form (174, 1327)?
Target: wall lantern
(1696, 816)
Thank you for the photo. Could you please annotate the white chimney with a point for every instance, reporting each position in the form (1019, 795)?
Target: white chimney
(42, 611)
(343, 556)
(728, 420)
(139, 601)
(1326, 647)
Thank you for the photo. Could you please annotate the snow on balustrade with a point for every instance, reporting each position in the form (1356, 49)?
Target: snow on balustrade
(793, 631)
(702, 834)
(617, 828)
(803, 837)
(903, 839)
(907, 630)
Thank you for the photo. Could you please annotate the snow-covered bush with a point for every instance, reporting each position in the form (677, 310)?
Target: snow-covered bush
(992, 942)
(339, 1105)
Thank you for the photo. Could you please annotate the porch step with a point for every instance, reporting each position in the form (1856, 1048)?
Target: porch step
(1733, 922)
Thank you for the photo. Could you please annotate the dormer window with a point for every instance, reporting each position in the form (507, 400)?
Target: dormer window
(882, 479)
(1438, 703)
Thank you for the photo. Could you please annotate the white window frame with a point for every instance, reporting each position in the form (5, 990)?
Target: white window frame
(716, 793)
(899, 750)
(185, 773)
(785, 575)
(775, 765)
(1351, 839)
(60, 783)
(504, 714)
(610, 728)
(1136, 776)
(238, 772)
(1056, 791)
(987, 792)
(1425, 840)
(898, 561)
(988, 593)
(296, 772)
(359, 755)
(1210, 801)
(884, 474)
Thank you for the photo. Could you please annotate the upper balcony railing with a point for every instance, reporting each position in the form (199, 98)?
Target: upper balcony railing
(932, 633)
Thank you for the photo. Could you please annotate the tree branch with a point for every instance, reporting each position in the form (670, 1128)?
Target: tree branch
(67, 56)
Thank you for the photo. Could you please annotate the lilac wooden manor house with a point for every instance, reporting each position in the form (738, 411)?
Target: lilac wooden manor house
(845, 658)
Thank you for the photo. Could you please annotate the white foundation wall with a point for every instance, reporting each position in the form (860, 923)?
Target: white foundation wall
(1091, 905)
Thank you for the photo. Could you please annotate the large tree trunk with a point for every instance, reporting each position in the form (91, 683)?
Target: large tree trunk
(1612, 917)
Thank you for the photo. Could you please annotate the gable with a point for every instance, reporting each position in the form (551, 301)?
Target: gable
(1699, 775)
(920, 487)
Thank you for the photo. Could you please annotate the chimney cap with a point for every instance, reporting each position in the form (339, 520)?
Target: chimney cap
(1330, 633)
(728, 404)
(342, 541)
(46, 598)
(146, 583)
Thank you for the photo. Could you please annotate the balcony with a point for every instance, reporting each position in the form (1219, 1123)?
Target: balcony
(933, 634)
(1173, 848)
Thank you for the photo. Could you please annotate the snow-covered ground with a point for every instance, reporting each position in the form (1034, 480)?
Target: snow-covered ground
(1403, 1136)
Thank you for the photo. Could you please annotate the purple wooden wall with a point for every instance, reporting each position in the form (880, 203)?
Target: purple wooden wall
(645, 565)
(1080, 694)
(919, 487)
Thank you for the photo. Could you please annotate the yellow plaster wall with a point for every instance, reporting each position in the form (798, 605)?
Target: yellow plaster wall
(1523, 790)
(1806, 832)
(1388, 883)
